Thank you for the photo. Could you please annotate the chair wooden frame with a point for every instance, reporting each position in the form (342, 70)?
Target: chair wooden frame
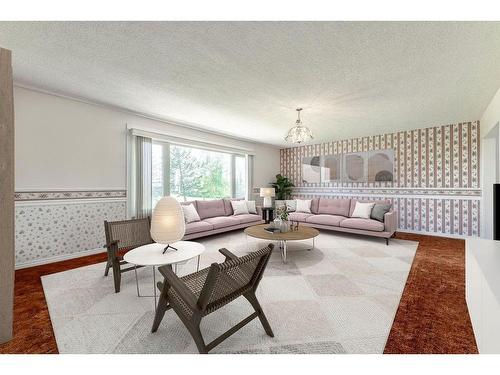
(196, 295)
(122, 236)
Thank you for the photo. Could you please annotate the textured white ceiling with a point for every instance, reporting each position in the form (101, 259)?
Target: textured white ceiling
(246, 78)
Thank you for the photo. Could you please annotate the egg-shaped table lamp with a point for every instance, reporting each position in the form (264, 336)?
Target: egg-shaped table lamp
(167, 222)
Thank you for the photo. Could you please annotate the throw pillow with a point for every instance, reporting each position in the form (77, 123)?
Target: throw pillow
(239, 207)
(303, 205)
(251, 207)
(363, 210)
(190, 213)
(379, 210)
(291, 205)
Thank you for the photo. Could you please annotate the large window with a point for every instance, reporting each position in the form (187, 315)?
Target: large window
(188, 173)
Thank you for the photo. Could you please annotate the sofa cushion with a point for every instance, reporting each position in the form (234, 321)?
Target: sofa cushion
(315, 206)
(208, 209)
(239, 207)
(353, 203)
(198, 226)
(190, 213)
(227, 205)
(363, 210)
(248, 218)
(223, 221)
(334, 206)
(362, 224)
(298, 216)
(252, 208)
(379, 210)
(333, 220)
(303, 205)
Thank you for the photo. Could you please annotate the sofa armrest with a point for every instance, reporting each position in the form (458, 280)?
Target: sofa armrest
(390, 221)
(259, 210)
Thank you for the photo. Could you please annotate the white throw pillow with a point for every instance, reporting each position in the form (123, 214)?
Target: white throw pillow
(251, 207)
(291, 205)
(303, 205)
(363, 210)
(239, 207)
(190, 213)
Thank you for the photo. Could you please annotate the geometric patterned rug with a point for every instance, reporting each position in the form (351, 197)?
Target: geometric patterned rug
(340, 297)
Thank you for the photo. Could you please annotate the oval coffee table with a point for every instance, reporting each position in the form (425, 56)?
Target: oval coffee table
(302, 233)
(152, 255)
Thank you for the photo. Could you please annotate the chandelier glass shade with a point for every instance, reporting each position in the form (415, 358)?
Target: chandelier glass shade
(299, 133)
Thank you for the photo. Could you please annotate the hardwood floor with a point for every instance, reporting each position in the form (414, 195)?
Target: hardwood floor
(32, 327)
(432, 316)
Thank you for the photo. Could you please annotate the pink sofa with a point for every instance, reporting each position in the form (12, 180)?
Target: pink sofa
(217, 216)
(335, 214)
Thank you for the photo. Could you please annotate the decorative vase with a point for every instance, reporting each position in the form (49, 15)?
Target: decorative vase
(277, 223)
(284, 226)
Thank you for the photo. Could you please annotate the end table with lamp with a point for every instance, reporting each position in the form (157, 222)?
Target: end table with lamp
(267, 206)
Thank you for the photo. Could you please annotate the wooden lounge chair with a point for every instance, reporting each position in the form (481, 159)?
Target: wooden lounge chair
(201, 293)
(122, 236)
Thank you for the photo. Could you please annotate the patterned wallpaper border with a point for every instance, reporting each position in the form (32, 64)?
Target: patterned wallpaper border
(328, 191)
(21, 196)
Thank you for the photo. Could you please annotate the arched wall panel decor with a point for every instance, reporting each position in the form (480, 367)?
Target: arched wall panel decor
(435, 185)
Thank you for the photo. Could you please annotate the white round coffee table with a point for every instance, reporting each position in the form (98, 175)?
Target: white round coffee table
(152, 255)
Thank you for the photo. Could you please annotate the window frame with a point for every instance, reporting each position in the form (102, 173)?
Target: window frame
(166, 165)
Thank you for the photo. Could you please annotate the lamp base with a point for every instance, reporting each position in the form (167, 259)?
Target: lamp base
(268, 202)
(168, 246)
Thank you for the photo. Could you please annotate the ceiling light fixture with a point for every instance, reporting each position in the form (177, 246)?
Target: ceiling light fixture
(299, 133)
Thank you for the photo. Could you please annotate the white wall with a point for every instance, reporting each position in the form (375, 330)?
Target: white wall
(490, 163)
(67, 144)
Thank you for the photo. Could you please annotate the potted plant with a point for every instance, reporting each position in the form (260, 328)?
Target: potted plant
(283, 187)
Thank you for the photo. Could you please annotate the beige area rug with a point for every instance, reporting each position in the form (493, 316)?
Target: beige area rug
(340, 297)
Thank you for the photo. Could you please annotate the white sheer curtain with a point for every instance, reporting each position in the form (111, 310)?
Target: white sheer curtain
(141, 176)
(250, 195)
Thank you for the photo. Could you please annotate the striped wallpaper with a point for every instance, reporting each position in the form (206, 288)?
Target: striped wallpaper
(436, 176)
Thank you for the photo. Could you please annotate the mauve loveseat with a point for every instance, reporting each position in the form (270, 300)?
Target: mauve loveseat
(336, 214)
(217, 216)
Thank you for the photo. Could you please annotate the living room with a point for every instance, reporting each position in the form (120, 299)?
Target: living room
(249, 187)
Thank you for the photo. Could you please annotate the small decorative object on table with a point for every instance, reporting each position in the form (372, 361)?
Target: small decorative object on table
(271, 229)
(282, 217)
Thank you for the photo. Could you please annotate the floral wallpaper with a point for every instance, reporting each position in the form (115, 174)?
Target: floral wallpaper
(436, 186)
(54, 229)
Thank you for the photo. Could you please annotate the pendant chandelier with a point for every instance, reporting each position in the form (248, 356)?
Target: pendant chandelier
(299, 133)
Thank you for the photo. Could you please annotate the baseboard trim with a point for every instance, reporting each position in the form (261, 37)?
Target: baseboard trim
(58, 258)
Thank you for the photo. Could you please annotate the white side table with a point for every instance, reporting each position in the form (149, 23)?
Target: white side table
(152, 255)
